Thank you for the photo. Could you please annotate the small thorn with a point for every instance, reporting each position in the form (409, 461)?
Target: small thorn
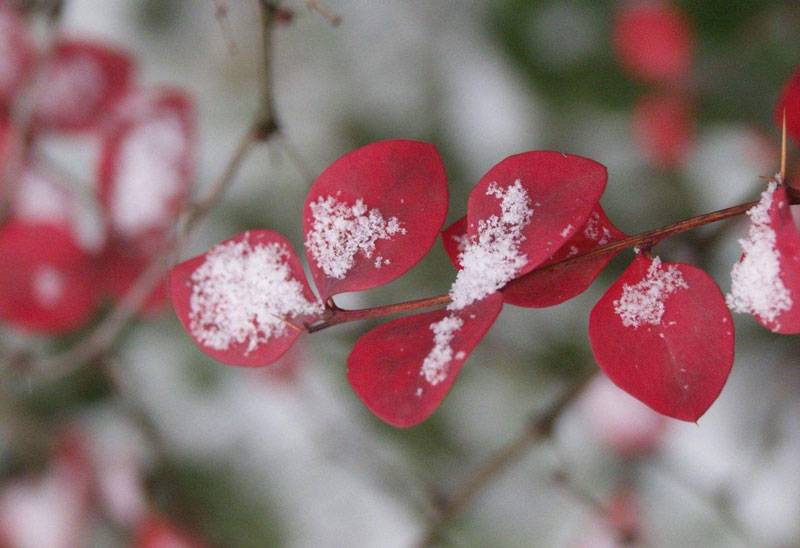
(289, 323)
(783, 148)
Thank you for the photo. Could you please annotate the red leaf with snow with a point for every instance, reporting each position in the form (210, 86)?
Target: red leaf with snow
(542, 288)
(654, 41)
(663, 334)
(766, 281)
(245, 300)
(403, 369)
(156, 532)
(374, 214)
(40, 197)
(17, 52)
(45, 278)
(663, 129)
(146, 165)
(520, 213)
(789, 101)
(82, 82)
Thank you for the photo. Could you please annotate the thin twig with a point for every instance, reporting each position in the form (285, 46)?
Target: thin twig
(538, 429)
(317, 6)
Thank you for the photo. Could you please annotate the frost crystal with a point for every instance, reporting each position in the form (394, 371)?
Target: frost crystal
(148, 179)
(437, 362)
(643, 303)
(492, 257)
(243, 293)
(756, 285)
(340, 231)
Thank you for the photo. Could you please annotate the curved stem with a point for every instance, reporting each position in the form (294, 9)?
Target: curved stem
(644, 239)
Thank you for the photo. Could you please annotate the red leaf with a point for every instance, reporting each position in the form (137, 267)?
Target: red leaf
(374, 214)
(654, 41)
(663, 334)
(766, 281)
(551, 193)
(146, 165)
(789, 101)
(45, 278)
(18, 54)
(663, 129)
(82, 82)
(243, 302)
(402, 373)
(542, 288)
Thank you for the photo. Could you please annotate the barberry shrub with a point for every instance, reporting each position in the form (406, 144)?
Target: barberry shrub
(534, 235)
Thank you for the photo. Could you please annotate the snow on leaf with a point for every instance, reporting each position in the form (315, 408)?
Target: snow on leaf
(388, 200)
(679, 356)
(146, 165)
(81, 84)
(403, 369)
(767, 276)
(492, 255)
(45, 278)
(644, 302)
(339, 232)
(242, 300)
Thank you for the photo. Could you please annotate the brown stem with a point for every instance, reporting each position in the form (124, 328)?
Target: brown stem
(644, 239)
(538, 429)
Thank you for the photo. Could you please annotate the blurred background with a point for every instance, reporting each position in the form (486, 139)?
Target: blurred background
(288, 455)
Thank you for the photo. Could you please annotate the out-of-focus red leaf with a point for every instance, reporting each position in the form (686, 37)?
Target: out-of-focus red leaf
(49, 510)
(542, 288)
(245, 300)
(373, 214)
(654, 41)
(146, 165)
(82, 82)
(625, 425)
(387, 367)
(663, 333)
(39, 197)
(562, 189)
(663, 129)
(17, 52)
(157, 532)
(789, 102)
(119, 268)
(45, 278)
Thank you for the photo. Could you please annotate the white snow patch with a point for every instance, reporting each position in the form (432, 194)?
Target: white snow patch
(341, 231)
(38, 198)
(437, 363)
(643, 302)
(593, 230)
(756, 285)
(492, 258)
(244, 293)
(148, 179)
(568, 230)
(48, 286)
